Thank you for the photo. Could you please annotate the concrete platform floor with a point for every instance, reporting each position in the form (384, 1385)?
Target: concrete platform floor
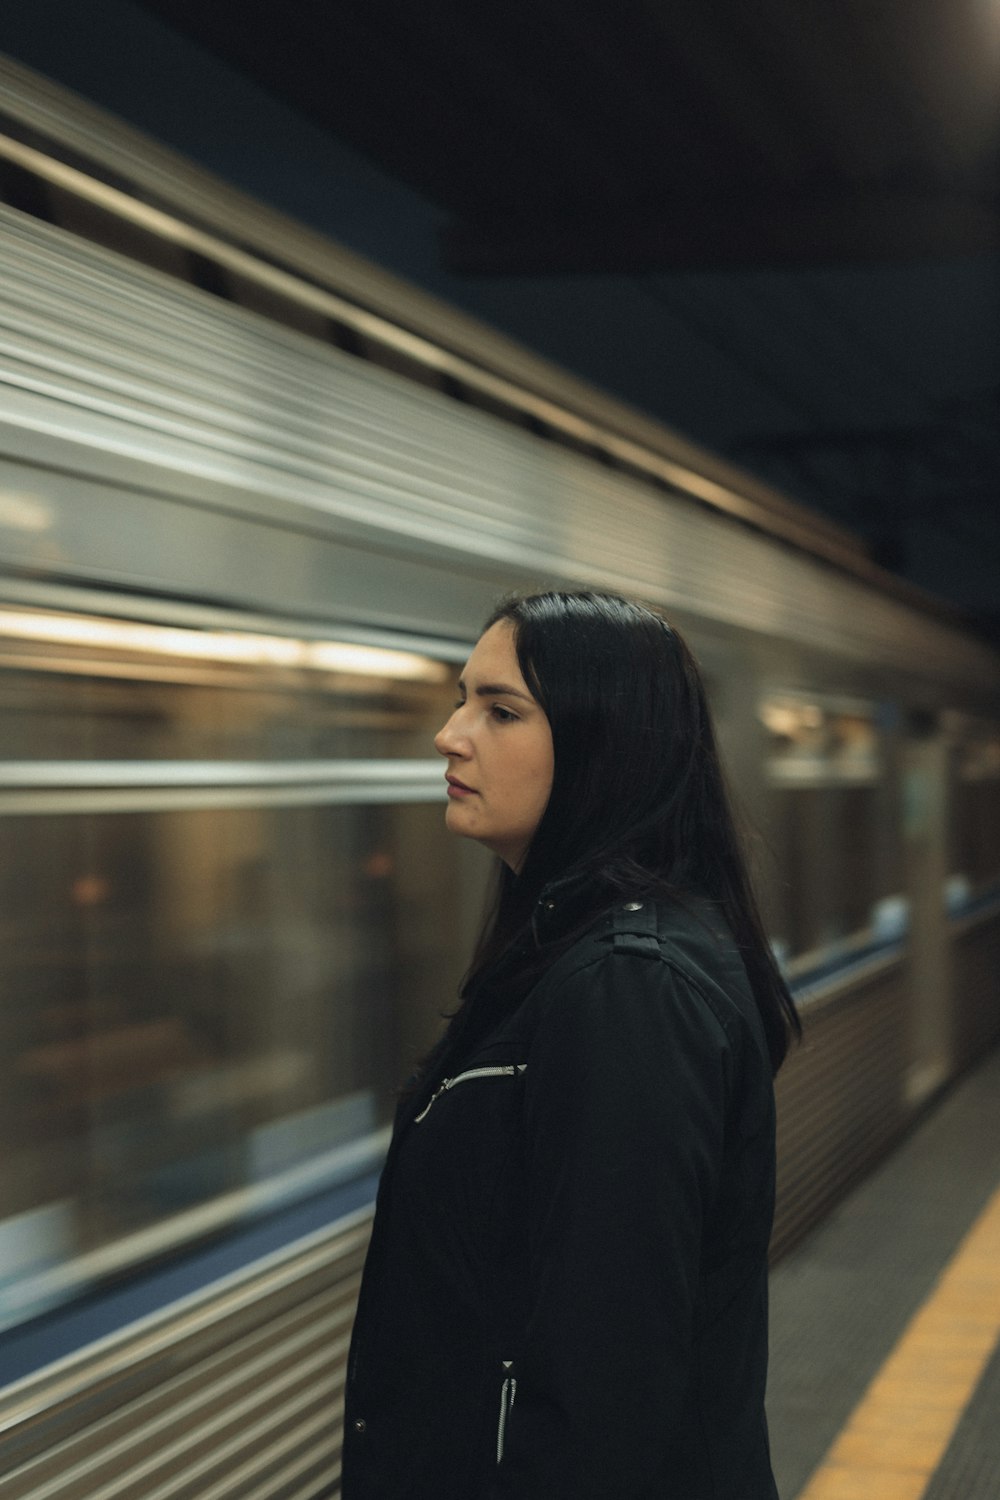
(842, 1301)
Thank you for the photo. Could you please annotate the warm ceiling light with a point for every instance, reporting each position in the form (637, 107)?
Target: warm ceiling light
(24, 512)
(231, 646)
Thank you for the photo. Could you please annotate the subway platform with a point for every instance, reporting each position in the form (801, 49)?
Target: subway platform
(885, 1322)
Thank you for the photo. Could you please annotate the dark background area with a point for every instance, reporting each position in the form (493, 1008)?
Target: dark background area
(776, 228)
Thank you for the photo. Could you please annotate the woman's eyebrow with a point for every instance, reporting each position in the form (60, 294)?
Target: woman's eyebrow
(496, 690)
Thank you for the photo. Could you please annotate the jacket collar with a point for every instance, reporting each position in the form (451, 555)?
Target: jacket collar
(565, 902)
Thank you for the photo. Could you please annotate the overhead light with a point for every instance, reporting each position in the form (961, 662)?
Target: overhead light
(230, 646)
(24, 512)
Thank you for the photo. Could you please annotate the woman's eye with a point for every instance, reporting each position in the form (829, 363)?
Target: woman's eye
(458, 703)
(503, 714)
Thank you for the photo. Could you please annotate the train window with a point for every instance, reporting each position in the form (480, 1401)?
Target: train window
(214, 983)
(73, 686)
(975, 820)
(834, 882)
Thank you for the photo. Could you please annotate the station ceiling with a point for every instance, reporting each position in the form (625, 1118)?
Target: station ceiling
(841, 160)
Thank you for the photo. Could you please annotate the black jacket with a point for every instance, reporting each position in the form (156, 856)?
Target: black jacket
(565, 1296)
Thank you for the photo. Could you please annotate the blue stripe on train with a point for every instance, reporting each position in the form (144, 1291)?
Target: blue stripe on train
(106, 1309)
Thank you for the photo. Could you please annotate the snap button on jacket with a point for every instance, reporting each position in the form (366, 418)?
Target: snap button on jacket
(566, 1292)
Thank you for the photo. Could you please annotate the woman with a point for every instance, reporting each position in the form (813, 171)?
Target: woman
(566, 1290)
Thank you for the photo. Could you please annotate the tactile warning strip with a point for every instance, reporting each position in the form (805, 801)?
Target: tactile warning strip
(842, 1300)
(970, 1469)
(901, 1428)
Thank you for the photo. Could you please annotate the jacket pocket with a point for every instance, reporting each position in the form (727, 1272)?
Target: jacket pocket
(499, 1070)
(508, 1391)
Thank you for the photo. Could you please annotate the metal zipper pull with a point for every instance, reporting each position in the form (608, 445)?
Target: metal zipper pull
(502, 1070)
(508, 1393)
(437, 1092)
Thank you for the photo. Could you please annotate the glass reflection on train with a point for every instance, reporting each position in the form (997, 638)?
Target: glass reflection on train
(836, 879)
(226, 917)
(836, 884)
(974, 825)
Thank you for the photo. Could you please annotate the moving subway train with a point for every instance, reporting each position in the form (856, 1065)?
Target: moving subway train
(255, 499)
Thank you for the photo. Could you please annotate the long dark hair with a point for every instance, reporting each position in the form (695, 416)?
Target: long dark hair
(638, 802)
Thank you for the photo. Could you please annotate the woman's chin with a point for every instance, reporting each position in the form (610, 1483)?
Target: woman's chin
(456, 820)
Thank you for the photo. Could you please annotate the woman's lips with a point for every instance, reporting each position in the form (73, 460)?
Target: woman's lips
(458, 788)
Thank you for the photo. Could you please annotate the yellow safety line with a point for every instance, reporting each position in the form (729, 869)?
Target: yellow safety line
(897, 1434)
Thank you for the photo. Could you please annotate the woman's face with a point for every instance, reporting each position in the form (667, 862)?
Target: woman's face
(498, 745)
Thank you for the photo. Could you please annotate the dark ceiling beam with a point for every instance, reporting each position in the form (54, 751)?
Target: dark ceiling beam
(916, 437)
(725, 233)
(935, 455)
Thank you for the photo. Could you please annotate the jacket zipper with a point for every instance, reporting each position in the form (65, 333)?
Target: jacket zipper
(508, 1392)
(504, 1070)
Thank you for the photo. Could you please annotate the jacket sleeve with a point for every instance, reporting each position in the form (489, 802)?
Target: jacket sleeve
(625, 1104)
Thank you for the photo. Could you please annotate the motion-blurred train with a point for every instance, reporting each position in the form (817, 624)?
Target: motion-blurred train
(256, 497)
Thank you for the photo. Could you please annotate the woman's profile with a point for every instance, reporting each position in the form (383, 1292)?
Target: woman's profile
(565, 1296)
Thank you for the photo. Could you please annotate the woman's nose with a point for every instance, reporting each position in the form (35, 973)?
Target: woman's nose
(449, 739)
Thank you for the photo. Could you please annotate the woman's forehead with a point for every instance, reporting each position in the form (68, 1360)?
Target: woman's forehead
(496, 652)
